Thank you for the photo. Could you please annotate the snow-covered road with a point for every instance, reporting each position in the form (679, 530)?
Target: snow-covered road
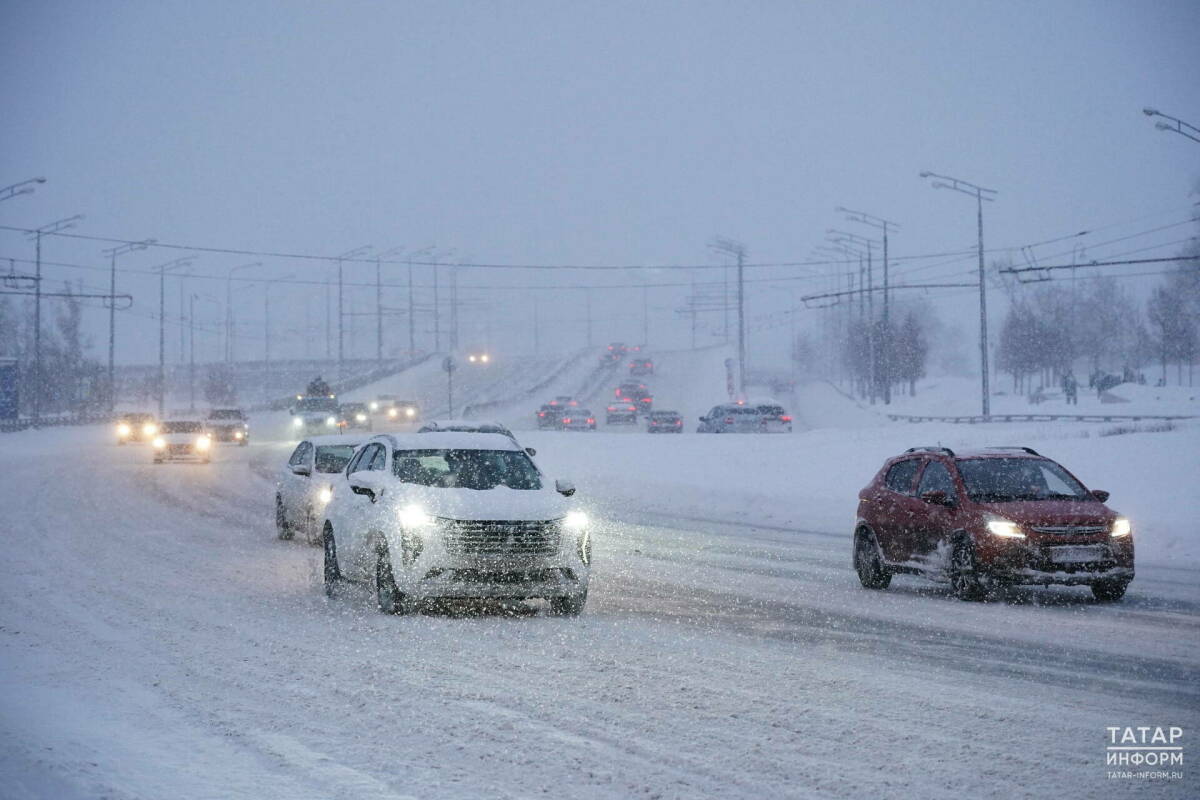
(157, 640)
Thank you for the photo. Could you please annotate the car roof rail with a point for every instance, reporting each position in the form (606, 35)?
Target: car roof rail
(931, 448)
(1022, 448)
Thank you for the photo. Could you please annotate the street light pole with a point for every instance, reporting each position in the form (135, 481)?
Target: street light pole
(162, 330)
(739, 250)
(355, 253)
(53, 227)
(379, 301)
(1178, 127)
(884, 225)
(229, 323)
(112, 253)
(980, 194)
(839, 241)
(23, 187)
(267, 336)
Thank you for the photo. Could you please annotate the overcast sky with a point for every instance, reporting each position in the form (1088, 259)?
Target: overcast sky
(581, 133)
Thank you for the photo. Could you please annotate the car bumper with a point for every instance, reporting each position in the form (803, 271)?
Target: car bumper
(228, 434)
(499, 580)
(1036, 562)
(629, 419)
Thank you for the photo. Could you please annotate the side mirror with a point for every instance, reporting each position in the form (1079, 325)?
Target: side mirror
(565, 488)
(531, 452)
(1100, 495)
(365, 482)
(301, 469)
(936, 497)
(704, 419)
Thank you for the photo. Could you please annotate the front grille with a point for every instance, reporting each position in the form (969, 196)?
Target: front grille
(502, 538)
(1070, 530)
(179, 448)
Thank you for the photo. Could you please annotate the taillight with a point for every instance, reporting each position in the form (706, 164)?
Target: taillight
(679, 422)
(567, 420)
(591, 420)
(729, 420)
(646, 399)
(541, 413)
(785, 418)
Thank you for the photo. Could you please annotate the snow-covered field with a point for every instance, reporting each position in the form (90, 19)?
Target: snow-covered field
(157, 640)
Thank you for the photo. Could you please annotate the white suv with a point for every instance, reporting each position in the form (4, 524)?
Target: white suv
(304, 485)
(455, 515)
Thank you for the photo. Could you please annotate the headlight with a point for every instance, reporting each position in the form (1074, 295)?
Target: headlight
(331, 421)
(374, 406)
(360, 417)
(149, 429)
(414, 517)
(159, 443)
(123, 430)
(575, 520)
(1120, 527)
(392, 412)
(1006, 528)
(203, 442)
(297, 422)
(412, 412)
(325, 495)
(238, 434)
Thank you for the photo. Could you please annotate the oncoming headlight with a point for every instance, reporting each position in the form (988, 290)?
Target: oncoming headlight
(360, 417)
(331, 421)
(297, 422)
(1120, 527)
(149, 429)
(203, 442)
(392, 412)
(123, 430)
(411, 412)
(159, 443)
(414, 517)
(238, 434)
(575, 520)
(1006, 528)
(374, 406)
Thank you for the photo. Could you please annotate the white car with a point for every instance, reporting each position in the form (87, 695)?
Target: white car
(455, 515)
(182, 438)
(469, 426)
(304, 484)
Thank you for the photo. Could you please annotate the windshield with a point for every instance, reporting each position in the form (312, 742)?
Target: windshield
(316, 404)
(333, 457)
(1000, 480)
(467, 469)
(771, 411)
(182, 427)
(226, 413)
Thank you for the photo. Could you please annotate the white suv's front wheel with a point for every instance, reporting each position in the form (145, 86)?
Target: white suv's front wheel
(388, 596)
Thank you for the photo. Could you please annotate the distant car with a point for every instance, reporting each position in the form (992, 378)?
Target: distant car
(396, 410)
(564, 400)
(664, 422)
(550, 416)
(987, 518)
(579, 419)
(304, 484)
(229, 425)
(731, 418)
(481, 357)
(182, 439)
(621, 412)
(641, 366)
(455, 516)
(773, 419)
(354, 416)
(637, 393)
(613, 354)
(136, 427)
(470, 426)
(315, 414)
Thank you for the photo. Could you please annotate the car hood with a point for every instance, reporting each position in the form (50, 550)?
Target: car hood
(1053, 512)
(500, 503)
(180, 438)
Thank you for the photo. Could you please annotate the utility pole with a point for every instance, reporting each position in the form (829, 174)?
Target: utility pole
(454, 308)
(162, 329)
(267, 337)
(379, 300)
(980, 194)
(229, 323)
(355, 253)
(645, 318)
(53, 227)
(112, 253)
(587, 297)
(885, 226)
(846, 242)
(737, 249)
(192, 352)
(536, 335)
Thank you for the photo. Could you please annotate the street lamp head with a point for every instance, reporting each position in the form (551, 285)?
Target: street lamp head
(40, 180)
(925, 173)
(1162, 126)
(1150, 112)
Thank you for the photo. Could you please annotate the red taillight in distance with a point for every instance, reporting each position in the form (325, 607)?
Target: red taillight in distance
(591, 420)
(785, 418)
(567, 420)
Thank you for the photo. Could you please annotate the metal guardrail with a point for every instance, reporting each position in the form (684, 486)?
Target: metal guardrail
(978, 419)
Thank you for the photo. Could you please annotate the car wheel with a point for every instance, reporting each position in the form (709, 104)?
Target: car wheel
(570, 606)
(243, 442)
(872, 573)
(965, 578)
(331, 573)
(388, 596)
(282, 528)
(1109, 591)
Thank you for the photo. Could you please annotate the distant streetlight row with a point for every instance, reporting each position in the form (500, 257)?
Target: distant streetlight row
(1175, 124)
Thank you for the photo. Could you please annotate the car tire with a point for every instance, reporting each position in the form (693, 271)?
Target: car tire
(965, 578)
(569, 606)
(868, 563)
(1109, 591)
(243, 442)
(331, 574)
(283, 528)
(388, 596)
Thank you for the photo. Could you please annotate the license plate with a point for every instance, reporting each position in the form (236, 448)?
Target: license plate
(1078, 555)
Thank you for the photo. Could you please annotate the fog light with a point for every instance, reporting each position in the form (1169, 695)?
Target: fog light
(575, 520)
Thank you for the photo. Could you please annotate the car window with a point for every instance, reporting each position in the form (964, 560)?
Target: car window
(466, 469)
(377, 458)
(353, 466)
(298, 454)
(936, 478)
(1000, 480)
(900, 476)
(333, 458)
(182, 427)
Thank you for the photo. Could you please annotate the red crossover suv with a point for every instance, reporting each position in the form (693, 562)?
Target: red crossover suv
(986, 518)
